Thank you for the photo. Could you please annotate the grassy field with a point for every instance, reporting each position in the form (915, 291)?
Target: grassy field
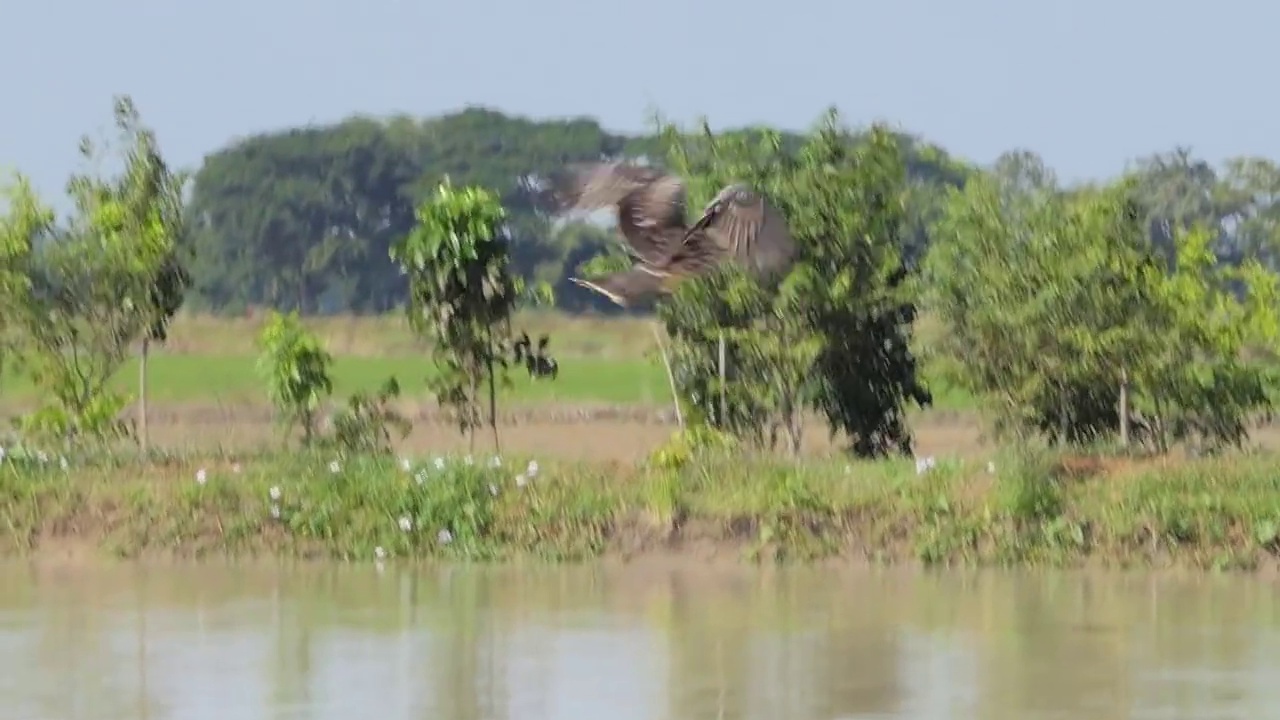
(233, 379)
(1031, 509)
(602, 360)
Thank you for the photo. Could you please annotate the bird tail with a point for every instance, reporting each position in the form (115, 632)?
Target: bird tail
(624, 288)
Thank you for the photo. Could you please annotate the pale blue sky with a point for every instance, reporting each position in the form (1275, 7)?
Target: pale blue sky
(1088, 84)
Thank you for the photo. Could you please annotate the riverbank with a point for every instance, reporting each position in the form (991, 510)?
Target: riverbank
(1032, 509)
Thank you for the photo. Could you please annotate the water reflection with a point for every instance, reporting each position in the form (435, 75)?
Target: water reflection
(630, 643)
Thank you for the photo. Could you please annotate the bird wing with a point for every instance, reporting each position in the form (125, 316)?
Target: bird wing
(698, 255)
(747, 226)
(591, 186)
(648, 201)
(648, 216)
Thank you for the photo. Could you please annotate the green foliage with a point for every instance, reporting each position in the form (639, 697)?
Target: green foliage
(296, 369)
(462, 295)
(1210, 514)
(365, 425)
(26, 220)
(844, 311)
(1052, 301)
(689, 444)
(304, 218)
(76, 301)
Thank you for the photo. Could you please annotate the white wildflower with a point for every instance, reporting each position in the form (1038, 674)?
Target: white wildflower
(42, 457)
(522, 480)
(468, 460)
(275, 512)
(275, 493)
(406, 464)
(421, 477)
(62, 462)
(924, 465)
(235, 468)
(439, 463)
(406, 525)
(493, 490)
(201, 476)
(379, 553)
(532, 470)
(991, 467)
(495, 462)
(1, 454)
(334, 467)
(444, 537)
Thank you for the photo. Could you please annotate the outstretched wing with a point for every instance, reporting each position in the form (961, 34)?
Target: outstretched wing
(698, 255)
(747, 226)
(591, 186)
(652, 218)
(649, 202)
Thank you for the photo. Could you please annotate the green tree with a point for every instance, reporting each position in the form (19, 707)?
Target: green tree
(1195, 383)
(1044, 299)
(842, 194)
(297, 369)
(773, 364)
(108, 279)
(148, 197)
(1063, 316)
(24, 223)
(462, 295)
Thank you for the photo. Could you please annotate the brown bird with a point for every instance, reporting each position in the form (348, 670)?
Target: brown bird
(650, 203)
(747, 228)
(738, 224)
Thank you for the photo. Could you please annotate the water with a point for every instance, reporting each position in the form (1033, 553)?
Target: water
(230, 643)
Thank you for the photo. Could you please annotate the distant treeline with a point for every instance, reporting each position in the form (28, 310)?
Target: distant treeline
(303, 218)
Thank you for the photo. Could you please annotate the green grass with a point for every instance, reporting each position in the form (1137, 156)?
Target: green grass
(602, 359)
(1215, 514)
(234, 378)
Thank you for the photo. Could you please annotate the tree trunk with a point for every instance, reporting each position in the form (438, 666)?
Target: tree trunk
(794, 428)
(724, 404)
(473, 406)
(143, 443)
(1124, 408)
(493, 398)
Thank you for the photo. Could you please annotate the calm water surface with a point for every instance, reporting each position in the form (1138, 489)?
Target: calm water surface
(241, 643)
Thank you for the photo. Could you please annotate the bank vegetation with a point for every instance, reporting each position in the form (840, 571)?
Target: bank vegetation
(1123, 342)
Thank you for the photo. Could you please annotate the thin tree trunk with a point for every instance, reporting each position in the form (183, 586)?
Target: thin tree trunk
(724, 403)
(493, 399)
(1124, 408)
(472, 406)
(793, 427)
(671, 376)
(143, 443)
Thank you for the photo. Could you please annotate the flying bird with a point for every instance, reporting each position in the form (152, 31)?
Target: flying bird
(746, 227)
(739, 224)
(650, 204)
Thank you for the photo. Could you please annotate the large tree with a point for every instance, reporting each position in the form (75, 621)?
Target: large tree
(844, 310)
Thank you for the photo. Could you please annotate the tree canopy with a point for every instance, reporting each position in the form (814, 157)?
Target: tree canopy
(302, 219)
